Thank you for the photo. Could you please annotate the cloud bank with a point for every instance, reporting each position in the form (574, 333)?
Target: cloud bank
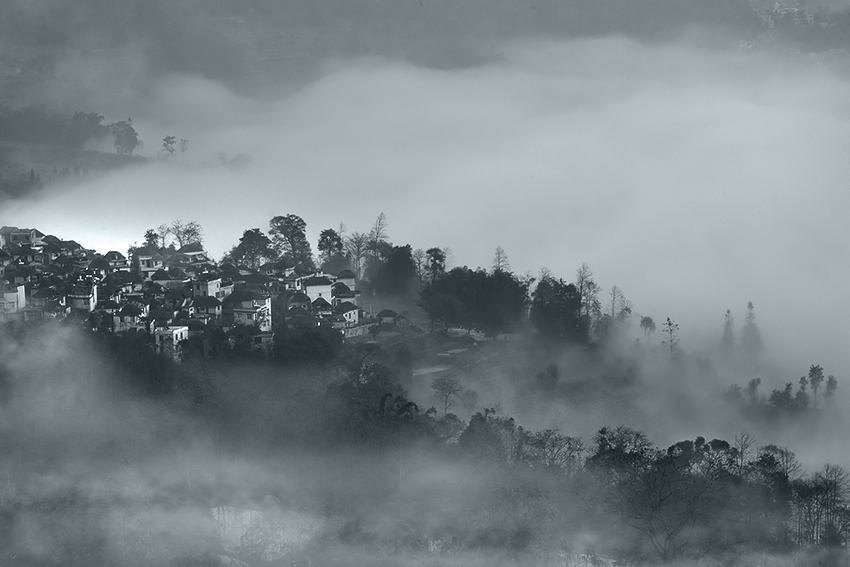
(694, 179)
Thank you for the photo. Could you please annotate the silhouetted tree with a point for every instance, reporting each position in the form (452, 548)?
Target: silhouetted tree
(648, 325)
(254, 248)
(186, 233)
(168, 146)
(447, 388)
(126, 137)
(815, 379)
(671, 331)
(289, 237)
(397, 274)
(556, 311)
(751, 341)
(727, 341)
(500, 261)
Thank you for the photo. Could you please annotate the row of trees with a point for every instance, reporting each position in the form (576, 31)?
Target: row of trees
(786, 398)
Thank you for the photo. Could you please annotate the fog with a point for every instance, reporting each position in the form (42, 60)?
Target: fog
(695, 179)
(694, 174)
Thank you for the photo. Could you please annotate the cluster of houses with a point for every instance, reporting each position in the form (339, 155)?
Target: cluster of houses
(774, 13)
(170, 293)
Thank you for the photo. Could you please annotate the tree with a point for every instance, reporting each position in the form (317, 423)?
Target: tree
(620, 307)
(751, 341)
(556, 311)
(436, 263)
(753, 390)
(184, 145)
(493, 302)
(588, 290)
(289, 238)
(500, 261)
(648, 325)
(330, 244)
(186, 233)
(419, 262)
(84, 127)
(397, 273)
(446, 388)
(378, 237)
(727, 341)
(253, 249)
(168, 146)
(815, 379)
(163, 231)
(355, 247)
(671, 331)
(126, 137)
(831, 386)
(151, 238)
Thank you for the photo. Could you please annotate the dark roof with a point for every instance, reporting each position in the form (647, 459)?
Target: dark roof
(205, 302)
(193, 247)
(244, 295)
(345, 307)
(160, 275)
(296, 311)
(321, 303)
(317, 280)
(114, 255)
(300, 297)
(256, 279)
(71, 245)
(99, 264)
(131, 310)
(208, 277)
(387, 313)
(345, 274)
(45, 293)
(340, 288)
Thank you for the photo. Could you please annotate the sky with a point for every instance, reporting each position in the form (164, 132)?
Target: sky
(693, 178)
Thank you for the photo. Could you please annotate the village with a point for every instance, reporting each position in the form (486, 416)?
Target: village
(175, 294)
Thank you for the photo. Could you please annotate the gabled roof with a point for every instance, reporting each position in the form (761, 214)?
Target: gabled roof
(296, 311)
(387, 313)
(299, 297)
(321, 303)
(345, 307)
(205, 302)
(160, 275)
(71, 245)
(114, 255)
(191, 248)
(244, 295)
(99, 264)
(345, 274)
(316, 281)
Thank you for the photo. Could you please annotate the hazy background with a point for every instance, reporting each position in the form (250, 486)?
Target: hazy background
(693, 174)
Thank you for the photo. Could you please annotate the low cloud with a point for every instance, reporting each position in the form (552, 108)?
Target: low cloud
(694, 179)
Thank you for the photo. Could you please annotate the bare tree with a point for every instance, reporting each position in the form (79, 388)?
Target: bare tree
(355, 247)
(447, 388)
(671, 331)
(500, 261)
(589, 291)
(186, 233)
(621, 308)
